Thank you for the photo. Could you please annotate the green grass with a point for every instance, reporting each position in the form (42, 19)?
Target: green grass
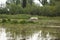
(18, 16)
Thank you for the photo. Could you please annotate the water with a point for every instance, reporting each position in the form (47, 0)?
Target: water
(39, 36)
(3, 34)
(35, 36)
(48, 37)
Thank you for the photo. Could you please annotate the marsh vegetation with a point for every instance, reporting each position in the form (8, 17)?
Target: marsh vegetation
(24, 27)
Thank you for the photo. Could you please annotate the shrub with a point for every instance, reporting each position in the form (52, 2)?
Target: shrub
(4, 20)
(14, 21)
(57, 11)
(9, 20)
(26, 21)
(23, 21)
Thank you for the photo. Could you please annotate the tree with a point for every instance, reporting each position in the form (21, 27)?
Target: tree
(24, 3)
(14, 9)
(13, 2)
(17, 2)
(44, 2)
(30, 2)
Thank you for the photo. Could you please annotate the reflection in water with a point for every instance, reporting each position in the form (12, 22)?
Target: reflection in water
(9, 36)
(35, 36)
(48, 37)
(38, 36)
(2, 34)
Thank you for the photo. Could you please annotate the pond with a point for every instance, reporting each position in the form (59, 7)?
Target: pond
(36, 35)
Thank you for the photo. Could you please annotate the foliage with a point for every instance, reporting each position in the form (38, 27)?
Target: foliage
(9, 20)
(23, 21)
(14, 21)
(29, 8)
(15, 9)
(57, 11)
(24, 3)
(4, 20)
(8, 2)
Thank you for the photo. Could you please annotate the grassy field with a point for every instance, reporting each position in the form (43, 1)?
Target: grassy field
(14, 24)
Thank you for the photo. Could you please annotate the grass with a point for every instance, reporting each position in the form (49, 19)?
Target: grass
(18, 16)
(46, 24)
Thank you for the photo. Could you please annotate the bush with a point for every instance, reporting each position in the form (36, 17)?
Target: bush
(57, 11)
(26, 21)
(52, 10)
(14, 21)
(9, 20)
(4, 20)
(23, 21)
